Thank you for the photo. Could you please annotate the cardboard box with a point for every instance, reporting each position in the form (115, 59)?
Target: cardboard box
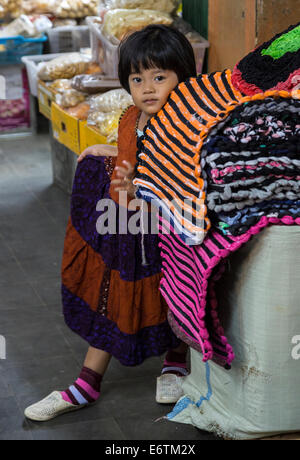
(46, 96)
(90, 136)
(65, 128)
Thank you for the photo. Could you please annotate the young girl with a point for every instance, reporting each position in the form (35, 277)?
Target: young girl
(111, 282)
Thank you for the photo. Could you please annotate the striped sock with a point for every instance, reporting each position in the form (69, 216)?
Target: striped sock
(175, 363)
(85, 390)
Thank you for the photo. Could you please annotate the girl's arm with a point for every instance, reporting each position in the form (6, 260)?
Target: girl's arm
(99, 150)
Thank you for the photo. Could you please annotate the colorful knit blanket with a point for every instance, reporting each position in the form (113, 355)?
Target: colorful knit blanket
(246, 170)
(274, 65)
(251, 170)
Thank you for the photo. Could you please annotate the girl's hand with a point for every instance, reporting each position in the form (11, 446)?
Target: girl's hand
(99, 150)
(126, 174)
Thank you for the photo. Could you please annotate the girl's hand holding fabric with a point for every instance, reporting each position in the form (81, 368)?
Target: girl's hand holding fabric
(124, 184)
(99, 150)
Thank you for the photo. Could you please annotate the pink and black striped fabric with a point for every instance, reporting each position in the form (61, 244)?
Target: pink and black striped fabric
(190, 274)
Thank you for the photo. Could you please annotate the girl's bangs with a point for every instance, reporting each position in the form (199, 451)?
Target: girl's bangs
(141, 61)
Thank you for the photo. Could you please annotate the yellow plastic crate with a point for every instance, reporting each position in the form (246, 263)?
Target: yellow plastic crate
(46, 96)
(65, 128)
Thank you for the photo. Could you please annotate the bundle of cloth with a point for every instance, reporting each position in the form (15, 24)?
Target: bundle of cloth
(221, 161)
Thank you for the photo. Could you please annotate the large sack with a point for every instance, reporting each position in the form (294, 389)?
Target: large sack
(260, 308)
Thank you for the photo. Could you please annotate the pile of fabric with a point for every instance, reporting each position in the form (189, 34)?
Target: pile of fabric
(252, 167)
(221, 160)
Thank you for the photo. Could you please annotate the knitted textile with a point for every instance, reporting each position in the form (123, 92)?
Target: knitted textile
(251, 164)
(169, 172)
(251, 179)
(85, 390)
(275, 65)
(247, 171)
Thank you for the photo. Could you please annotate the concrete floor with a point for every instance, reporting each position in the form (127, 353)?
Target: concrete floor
(42, 353)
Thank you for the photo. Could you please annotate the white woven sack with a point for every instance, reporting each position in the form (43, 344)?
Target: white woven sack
(260, 298)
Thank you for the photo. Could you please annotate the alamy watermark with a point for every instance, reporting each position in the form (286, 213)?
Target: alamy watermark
(2, 347)
(296, 349)
(135, 216)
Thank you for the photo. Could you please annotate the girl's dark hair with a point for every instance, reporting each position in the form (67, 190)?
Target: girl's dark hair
(156, 46)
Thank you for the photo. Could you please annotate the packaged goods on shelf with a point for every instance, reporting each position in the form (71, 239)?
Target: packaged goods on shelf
(33, 65)
(37, 6)
(93, 84)
(93, 66)
(112, 100)
(80, 111)
(106, 123)
(120, 22)
(61, 85)
(10, 8)
(167, 6)
(75, 8)
(26, 27)
(65, 66)
(106, 111)
(70, 98)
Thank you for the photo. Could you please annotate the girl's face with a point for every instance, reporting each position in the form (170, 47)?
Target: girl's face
(150, 89)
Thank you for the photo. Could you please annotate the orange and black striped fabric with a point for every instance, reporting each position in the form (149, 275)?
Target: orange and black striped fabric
(169, 171)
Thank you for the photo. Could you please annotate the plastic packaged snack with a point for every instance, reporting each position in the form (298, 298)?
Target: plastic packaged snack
(64, 67)
(70, 98)
(106, 111)
(21, 26)
(10, 8)
(121, 22)
(76, 8)
(61, 85)
(93, 84)
(37, 6)
(167, 6)
(92, 68)
(80, 111)
(117, 99)
(106, 123)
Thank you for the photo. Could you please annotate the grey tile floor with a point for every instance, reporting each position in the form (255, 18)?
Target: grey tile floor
(42, 353)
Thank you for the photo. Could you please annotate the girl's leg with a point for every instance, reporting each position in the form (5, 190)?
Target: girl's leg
(86, 389)
(97, 360)
(169, 384)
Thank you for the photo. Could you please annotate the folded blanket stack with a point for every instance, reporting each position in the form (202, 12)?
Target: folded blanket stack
(251, 164)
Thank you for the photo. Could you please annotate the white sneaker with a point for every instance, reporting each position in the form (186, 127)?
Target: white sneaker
(169, 388)
(50, 407)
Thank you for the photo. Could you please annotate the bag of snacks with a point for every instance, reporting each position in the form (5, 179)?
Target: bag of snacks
(116, 99)
(80, 111)
(10, 8)
(93, 84)
(76, 8)
(61, 85)
(21, 26)
(167, 6)
(70, 98)
(37, 6)
(106, 123)
(106, 111)
(120, 22)
(64, 67)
